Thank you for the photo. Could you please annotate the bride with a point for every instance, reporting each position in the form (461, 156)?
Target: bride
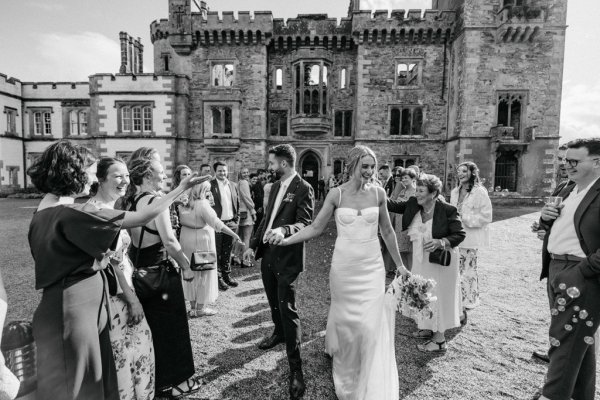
(360, 326)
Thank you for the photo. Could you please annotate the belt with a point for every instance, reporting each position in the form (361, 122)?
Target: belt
(566, 257)
(229, 220)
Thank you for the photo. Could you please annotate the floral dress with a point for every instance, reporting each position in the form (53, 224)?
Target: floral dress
(132, 344)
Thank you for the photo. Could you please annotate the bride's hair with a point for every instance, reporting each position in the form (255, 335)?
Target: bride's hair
(357, 154)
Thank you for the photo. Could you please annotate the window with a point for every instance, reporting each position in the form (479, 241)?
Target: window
(338, 167)
(343, 82)
(13, 176)
(278, 122)
(222, 74)
(166, 62)
(78, 122)
(221, 119)
(506, 172)
(517, 3)
(405, 161)
(133, 117)
(11, 119)
(311, 80)
(279, 79)
(408, 73)
(40, 121)
(406, 121)
(510, 111)
(343, 123)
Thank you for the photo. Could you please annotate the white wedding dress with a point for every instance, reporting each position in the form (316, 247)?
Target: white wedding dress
(360, 326)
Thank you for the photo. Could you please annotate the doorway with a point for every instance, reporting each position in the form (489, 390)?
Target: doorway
(310, 169)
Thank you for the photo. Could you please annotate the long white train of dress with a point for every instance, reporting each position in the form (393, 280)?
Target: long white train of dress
(360, 326)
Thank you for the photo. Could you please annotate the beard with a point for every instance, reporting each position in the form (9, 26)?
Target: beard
(278, 173)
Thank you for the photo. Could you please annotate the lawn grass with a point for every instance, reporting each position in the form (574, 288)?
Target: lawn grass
(489, 359)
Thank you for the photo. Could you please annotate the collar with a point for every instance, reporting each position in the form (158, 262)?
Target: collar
(222, 182)
(578, 190)
(287, 182)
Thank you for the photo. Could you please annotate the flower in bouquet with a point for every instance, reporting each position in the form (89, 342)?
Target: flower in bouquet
(414, 295)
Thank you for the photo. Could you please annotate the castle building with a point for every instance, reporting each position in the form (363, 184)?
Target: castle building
(464, 80)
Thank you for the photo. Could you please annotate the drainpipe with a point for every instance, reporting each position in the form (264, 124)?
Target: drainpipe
(444, 77)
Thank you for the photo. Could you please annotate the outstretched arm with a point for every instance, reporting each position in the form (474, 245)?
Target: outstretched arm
(317, 226)
(387, 232)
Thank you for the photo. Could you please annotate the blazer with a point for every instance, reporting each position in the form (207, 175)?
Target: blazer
(216, 192)
(294, 213)
(446, 223)
(389, 186)
(587, 227)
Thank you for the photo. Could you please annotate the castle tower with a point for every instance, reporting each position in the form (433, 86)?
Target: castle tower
(132, 52)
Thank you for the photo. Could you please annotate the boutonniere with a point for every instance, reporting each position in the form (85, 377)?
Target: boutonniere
(289, 198)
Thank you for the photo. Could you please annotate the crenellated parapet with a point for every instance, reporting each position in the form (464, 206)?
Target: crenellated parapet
(58, 90)
(401, 26)
(159, 29)
(10, 85)
(312, 30)
(224, 29)
(140, 83)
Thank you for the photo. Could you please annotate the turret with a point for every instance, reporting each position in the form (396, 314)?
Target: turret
(132, 54)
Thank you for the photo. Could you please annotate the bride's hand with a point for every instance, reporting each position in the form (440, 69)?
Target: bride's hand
(193, 180)
(401, 270)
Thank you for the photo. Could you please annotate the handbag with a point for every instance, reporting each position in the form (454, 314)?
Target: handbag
(441, 257)
(203, 259)
(151, 281)
(243, 214)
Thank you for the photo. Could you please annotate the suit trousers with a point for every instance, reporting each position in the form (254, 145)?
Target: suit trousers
(572, 369)
(281, 293)
(224, 245)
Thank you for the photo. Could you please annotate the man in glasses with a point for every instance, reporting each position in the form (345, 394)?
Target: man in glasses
(571, 262)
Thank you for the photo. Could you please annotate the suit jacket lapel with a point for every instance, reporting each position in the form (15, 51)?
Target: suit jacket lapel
(271, 204)
(585, 203)
(290, 189)
(217, 195)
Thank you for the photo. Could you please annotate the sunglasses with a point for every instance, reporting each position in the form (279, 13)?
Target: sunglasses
(575, 163)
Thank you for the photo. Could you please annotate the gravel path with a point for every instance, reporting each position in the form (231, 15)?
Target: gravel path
(489, 359)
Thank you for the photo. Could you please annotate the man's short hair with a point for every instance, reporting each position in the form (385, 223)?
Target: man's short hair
(219, 164)
(253, 175)
(591, 144)
(384, 167)
(284, 151)
(204, 166)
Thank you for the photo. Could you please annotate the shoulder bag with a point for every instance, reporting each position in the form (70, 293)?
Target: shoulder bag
(203, 258)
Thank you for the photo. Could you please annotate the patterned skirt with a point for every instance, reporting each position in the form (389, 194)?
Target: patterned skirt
(469, 277)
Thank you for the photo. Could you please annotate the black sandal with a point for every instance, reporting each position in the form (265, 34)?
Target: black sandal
(193, 388)
(442, 347)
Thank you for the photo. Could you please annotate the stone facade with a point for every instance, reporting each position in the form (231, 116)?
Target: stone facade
(465, 80)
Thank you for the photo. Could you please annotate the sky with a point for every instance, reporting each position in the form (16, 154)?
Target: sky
(68, 40)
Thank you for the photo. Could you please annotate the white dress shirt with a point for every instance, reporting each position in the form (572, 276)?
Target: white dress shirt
(282, 189)
(563, 238)
(226, 200)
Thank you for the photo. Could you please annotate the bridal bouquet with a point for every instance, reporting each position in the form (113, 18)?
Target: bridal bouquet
(413, 295)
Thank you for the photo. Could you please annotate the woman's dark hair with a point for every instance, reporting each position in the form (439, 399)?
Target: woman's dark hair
(104, 165)
(60, 169)
(410, 172)
(177, 174)
(431, 182)
(138, 170)
(474, 178)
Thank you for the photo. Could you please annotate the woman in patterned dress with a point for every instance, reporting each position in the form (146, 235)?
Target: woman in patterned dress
(473, 203)
(130, 334)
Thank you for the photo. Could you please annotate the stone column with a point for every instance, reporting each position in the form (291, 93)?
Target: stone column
(123, 39)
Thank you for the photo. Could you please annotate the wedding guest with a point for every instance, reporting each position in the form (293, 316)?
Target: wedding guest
(571, 262)
(227, 207)
(181, 172)
(405, 189)
(146, 153)
(205, 170)
(387, 182)
(475, 208)
(262, 176)
(321, 189)
(331, 183)
(74, 355)
(247, 214)
(433, 226)
(198, 225)
(130, 335)
(258, 194)
(9, 383)
(166, 313)
(416, 169)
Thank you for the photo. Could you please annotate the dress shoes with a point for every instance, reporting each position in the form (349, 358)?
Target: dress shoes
(270, 342)
(541, 355)
(297, 386)
(222, 285)
(230, 281)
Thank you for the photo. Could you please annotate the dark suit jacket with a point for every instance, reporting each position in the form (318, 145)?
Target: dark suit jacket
(587, 227)
(446, 223)
(216, 192)
(294, 213)
(258, 194)
(389, 186)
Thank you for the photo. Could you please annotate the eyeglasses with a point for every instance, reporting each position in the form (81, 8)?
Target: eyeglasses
(574, 163)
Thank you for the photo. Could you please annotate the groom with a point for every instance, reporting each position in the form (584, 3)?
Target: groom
(290, 209)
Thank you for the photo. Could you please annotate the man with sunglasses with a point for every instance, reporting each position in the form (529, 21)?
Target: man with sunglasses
(571, 262)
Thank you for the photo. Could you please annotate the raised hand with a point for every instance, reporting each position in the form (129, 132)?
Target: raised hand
(193, 180)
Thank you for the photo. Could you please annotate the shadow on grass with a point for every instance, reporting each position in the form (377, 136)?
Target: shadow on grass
(256, 334)
(256, 308)
(250, 292)
(255, 319)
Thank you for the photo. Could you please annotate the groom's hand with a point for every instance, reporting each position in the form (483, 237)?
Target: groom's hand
(276, 236)
(248, 255)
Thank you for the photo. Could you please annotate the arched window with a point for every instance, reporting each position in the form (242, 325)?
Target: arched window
(311, 81)
(343, 79)
(279, 78)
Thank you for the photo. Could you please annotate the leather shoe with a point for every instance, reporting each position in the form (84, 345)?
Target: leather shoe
(541, 355)
(297, 386)
(270, 342)
(230, 281)
(222, 285)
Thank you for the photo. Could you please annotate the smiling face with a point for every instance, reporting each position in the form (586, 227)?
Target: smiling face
(588, 166)
(407, 180)
(185, 173)
(423, 196)
(221, 172)
(116, 181)
(157, 177)
(463, 174)
(244, 173)
(365, 169)
(384, 174)
(254, 180)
